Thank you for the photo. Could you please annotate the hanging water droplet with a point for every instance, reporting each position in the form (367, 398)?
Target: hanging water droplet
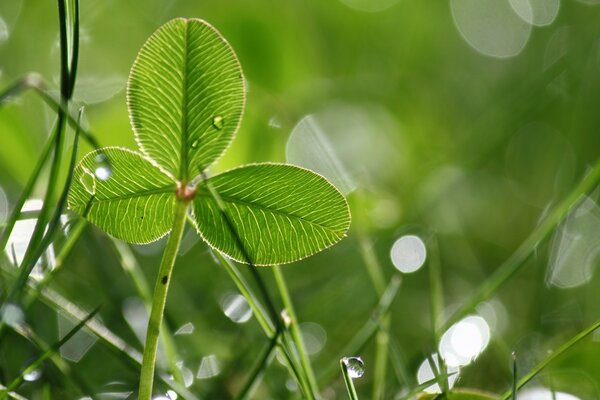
(194, 144)
(33, 375)
(102, 169)
(218, 122)
(88, 180)
(355, 366)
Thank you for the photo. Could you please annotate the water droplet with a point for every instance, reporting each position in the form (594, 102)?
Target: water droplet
(285, 317)
(32, 376)
(102, 169)
(218, 122)
(209, 367)
(194, 144)
(355, 366)
(88, 180)
(236, 308)
(12, 315)
(408, 253)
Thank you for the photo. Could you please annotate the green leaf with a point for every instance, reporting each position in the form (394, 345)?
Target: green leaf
(281, 213)
(186, 96)
(129, 199)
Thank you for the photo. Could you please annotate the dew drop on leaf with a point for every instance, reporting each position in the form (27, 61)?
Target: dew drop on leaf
(102, 168)
(218, 122)
(194, 144)
(88, 181)
(355, 366)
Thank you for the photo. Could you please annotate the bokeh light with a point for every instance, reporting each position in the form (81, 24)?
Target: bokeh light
(492, 27)
(464, 341)
(408, 253)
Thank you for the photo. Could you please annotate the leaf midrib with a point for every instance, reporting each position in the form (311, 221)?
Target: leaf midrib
(229, 199)
(149, 192)
(184, 103)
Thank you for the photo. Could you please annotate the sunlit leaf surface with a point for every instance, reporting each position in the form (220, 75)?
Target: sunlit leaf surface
(129, 198)
(282, 213)
(185, 96)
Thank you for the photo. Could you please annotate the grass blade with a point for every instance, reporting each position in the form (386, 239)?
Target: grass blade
(259, 369)
(348, 381)
(555, 354)
(53, 349)
(367, 331)
(522, 254)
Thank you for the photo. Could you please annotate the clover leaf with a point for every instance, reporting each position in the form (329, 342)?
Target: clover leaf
(185, 96)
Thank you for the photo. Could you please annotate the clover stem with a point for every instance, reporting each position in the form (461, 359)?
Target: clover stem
(159, 299)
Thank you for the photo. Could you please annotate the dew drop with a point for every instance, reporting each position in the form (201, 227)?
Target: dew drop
(33, 375)
(194, 144)
(88, 181)
(218, 122)
(285, 317)
(102, 168)
(355, 366)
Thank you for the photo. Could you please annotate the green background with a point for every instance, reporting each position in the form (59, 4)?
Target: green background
(442, 142)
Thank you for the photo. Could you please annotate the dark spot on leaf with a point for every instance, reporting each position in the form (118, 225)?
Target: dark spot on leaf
(142, 217)
(164, 280)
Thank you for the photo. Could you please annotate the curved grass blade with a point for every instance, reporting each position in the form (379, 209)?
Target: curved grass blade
(555, 354)
(281, 213)
(185, 96)
(132, 201)
(53, 349)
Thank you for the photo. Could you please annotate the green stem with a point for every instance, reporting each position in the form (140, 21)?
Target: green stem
(518, 259)
(295, 331)
(368, 330)
(348, 381)
(33, 178)
(130, 266)
(259, 369)
(50, 351)
(555, 354)
(159, 299)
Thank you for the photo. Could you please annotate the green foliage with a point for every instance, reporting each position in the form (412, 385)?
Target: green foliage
(281, 212)
(134, 204)
(185, 97)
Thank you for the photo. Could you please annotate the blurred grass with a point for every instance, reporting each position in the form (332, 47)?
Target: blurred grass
(451, 168)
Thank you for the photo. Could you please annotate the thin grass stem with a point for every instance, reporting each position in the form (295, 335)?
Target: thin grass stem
(368, 330)
(259, 369)
(509, 268)
(52, 350)
(554, 355)
(348, 381)
(294, 329)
